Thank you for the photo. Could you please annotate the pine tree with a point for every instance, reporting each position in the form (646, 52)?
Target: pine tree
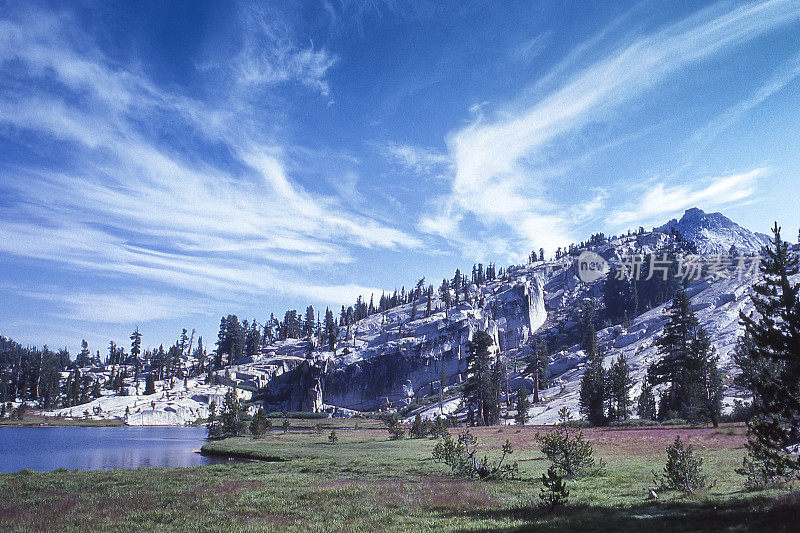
(223, 346)
(112, 353)
(442, 385)
(522, 406)
(444, 293)
(231, 415)
(417, 428)
(330, 330)
(183, 341)
(537, 365)
(772, 352)
(478, 386)
(704, 381)
(492, 408)
(136, 350)
(456, 285)
(428, 308)
(619, 384)
(593, 382)
(213, 424)
(84, 356)
(675, 347)
(309, 325)
(646, 407)
(150, 384)
(235, 338)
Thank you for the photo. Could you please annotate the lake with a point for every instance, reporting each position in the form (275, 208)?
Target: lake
(93, 448)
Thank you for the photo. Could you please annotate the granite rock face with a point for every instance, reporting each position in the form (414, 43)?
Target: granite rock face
(388, 359)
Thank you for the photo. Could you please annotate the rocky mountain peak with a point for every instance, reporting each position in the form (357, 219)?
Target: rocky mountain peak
(714, 233)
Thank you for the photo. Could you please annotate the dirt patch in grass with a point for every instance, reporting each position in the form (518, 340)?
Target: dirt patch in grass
(646, 441)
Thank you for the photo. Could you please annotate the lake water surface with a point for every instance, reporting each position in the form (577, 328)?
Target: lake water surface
(93, 448)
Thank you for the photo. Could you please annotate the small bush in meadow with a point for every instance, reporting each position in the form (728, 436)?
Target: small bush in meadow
(566, 448)
(419, 429)
(683, 470)
(554, 493)
(675, 422)
(438, 428)
(393, 426)
(460, 456)
(259, 424)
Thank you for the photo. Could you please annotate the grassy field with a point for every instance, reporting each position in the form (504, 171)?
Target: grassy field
(366, 482)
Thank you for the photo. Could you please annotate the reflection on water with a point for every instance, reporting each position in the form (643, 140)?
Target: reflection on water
(100, 448)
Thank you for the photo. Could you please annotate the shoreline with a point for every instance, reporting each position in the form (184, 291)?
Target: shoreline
(34, 421)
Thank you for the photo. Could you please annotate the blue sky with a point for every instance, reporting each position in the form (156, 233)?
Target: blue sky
(164, 163)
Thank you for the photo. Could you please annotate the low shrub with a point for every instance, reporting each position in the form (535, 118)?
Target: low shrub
(396, 432)
(460, 456)
(682, 471)
(566, 448)
(554, 492)
(419, 429)
(259, 424)
(742, 412)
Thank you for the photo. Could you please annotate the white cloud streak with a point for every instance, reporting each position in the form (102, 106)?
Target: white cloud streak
(660, 199)
(123, 202)
(496, 179)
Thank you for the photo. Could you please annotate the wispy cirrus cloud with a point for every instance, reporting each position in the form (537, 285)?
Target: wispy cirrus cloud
(122, 200)
(659, 199)
(272, 54)
(498, 162)
(420, 160)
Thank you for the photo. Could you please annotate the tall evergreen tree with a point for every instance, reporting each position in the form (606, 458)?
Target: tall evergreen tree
(428, 308)
(330, 330)
(444, 293)
(593, 382)
(83, 358)
(522, 406)
(309, 324)
(136, 350)
(619, 385)
(442, 385)
(772, 353)
(646, 408)
(675, 347)
(223, 346)
(112, 353)
(478, 386)
(704, 381)
(493, 408)
(150, 384)
(235, 338)
(537, 364)
(183, 341)
(252, 341)
(456, 285)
